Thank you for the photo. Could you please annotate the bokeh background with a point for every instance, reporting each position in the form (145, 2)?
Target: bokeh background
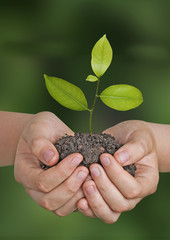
(56, 37)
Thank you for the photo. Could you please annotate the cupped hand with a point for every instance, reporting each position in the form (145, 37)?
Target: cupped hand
(59, 188)
(112, 190)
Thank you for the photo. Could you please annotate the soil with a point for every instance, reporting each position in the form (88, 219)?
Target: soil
(91, 146)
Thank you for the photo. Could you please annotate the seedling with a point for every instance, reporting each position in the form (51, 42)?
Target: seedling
(121, 97)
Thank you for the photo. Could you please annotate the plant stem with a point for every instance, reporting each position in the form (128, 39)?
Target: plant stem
(94, 102)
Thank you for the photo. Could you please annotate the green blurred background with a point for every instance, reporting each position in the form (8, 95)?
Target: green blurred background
(56, 37)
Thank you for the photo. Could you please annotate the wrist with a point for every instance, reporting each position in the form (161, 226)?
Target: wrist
(161, 134)
(12, 126)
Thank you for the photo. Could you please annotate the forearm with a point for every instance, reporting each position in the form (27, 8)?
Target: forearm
(11, 127)
(161, 134)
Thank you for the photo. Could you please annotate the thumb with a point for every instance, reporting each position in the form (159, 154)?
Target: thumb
(41, 133)
(134, 150)
(44, 150)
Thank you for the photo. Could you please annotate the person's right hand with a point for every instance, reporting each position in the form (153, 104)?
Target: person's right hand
(57, 189)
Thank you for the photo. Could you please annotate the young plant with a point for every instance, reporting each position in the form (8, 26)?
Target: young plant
(121, 97)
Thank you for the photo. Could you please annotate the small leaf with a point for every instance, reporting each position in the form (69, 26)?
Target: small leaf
(66, 94)
(101, 56)
(122, 97)
(92, 78)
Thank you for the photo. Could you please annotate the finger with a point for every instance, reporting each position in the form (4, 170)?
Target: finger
(110, 193)
(45, 180)
(135, 149)
(64, 192)
(84, 207)
(70, 206)
(126, 184)
(41, 134)
(44, 150)
(97, 203)
(53, 177)
(129, 186)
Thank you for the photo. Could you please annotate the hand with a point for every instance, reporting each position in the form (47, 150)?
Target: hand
(59, 188)
(112, 190)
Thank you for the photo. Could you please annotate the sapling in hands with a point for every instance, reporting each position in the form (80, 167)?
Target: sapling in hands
(121, 97)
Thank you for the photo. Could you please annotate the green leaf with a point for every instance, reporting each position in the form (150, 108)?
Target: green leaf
(101, 56)
(66, 94)
(92, 78)
(122, 97)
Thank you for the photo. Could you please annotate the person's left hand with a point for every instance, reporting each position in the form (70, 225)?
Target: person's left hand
(112, 190)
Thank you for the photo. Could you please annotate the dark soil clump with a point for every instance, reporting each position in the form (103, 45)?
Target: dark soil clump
(91, 146)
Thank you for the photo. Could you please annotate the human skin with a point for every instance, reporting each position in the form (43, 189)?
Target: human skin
(109, 191)
(59, 188)
(161, 133)
(112, 190)
(11, 127)
(33, 137)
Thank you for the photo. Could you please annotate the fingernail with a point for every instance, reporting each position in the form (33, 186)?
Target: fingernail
(95, 171)
(105, 161)
(123, 156)
(47, 155)
(90, 190)
(81, 175)
(75, 162)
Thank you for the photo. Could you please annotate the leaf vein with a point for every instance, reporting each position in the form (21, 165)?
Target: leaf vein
(69, 95)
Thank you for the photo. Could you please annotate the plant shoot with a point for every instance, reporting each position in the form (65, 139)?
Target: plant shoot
(121, 97)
